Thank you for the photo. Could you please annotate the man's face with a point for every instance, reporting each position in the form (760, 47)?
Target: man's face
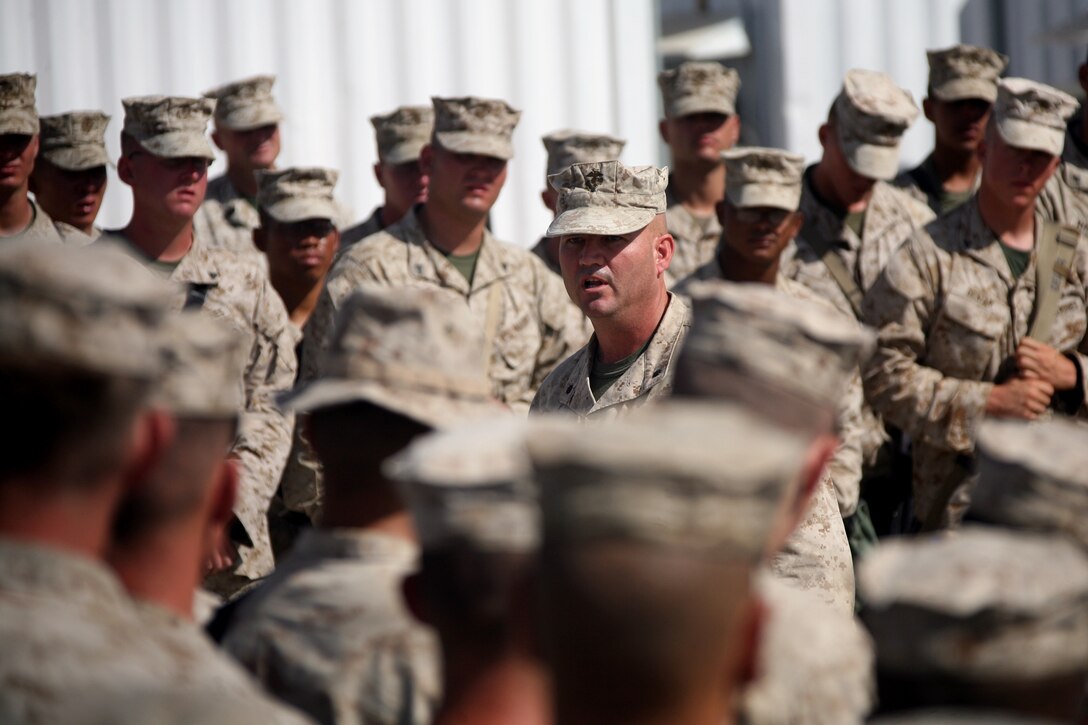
(17, 154)
(405, 185)
(252, 149)
(609, 276)
(700, 136)
(848, 184)
(958, 124)
(170, 187)
(757, 234)
(466, 182)
(301, 250)
(1013, 175)
(73, 197)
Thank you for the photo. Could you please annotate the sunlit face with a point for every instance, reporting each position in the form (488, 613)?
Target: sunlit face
(255, 148)
(1013, 175)
(72, 197)
(757, 234)
(466, 183)
(700, 136)
(610, 275)
(959, 124)
(301, 250)
(168, 187)
(17, 154)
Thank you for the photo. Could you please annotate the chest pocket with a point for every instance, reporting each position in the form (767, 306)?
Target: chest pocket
(965, 341)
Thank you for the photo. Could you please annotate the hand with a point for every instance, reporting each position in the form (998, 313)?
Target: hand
(1038, 360)
(222, 555)
(1025, 398)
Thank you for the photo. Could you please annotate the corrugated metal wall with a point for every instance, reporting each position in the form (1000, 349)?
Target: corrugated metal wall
(566, 63)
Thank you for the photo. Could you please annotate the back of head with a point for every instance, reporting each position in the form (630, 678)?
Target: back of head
(981, 618)
(652, 528)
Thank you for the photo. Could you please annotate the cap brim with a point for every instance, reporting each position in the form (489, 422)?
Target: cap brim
(403, 153)
(463, 142)
(19, 122)
(700, 104)
(248, 120)
(434, 410)
(77, 159)
(178, 145)
(960, 89)
(600, 220)
(1026, 135)
(289, 211)
(873, 161)
(766, 195)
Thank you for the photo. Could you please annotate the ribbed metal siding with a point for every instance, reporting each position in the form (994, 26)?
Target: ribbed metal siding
(566, 63)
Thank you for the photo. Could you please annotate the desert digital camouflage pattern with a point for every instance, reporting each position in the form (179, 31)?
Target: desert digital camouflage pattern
(74, 141)
(696, 239)
(246, 104)
(699, 87)
(329, 632)
(471, 125)
(18, 112)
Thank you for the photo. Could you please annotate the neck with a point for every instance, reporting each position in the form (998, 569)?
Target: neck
(620, 337)
(389, 216)
(299, 295)
(76, 520)
(162, 568)
(480, 690)
(453, 234)
(15, 211)
(735, 268)
(698, 185)
(825, 189)
(365, 502)
(243, 179)
(956, 168)
(1015, 226)
(167, 240)
(706, 711)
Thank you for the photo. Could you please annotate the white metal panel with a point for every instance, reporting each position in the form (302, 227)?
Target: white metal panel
(565, 63)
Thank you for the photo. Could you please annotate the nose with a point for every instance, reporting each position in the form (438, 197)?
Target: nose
(591, 254)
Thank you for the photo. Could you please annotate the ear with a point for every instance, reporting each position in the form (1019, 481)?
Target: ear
(411, 588)
(750, 636)
(793, 225)
(218, 139)
(1082, 76)
(260, 238)
(824, 134)
(378, 176)
(664, 246)
(124, 170)
(334, 240)
(732, 131)
(426, 160)
(152, 434)
(928, 108)
(663, 129)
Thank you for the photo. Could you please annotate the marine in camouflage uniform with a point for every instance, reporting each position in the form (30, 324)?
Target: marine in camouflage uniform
(791, 361)
(20, 216)
(953, 314)
(1065, 197)
(564, 149)
(231, 287)
(247, 128)
(651, 538)
(329, 632)
(699, 99)
(638, 325)
(961, 92)
(69, 178)
(401, 136)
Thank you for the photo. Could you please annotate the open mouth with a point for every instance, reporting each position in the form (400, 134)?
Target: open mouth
(593, 282)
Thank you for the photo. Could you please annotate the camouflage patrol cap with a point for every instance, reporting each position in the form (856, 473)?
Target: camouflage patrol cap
(692, 475)
(606, 197)
(93, 308)
(965, 71)
(170, 127)
(743, 333)
(1033, 476)
(18, 114)
(566, 148)
(871, 114)
(414, 351)
(296, 194)
(75, 141)
(471, 125)
(1032, 115)
(982, 604)
(756, 176)
(205, 365)
(812, 658)
(403, 133)
(471, 485)
(246, 104)
(699, 87)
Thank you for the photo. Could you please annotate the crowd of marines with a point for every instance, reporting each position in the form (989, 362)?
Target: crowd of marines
(738, 440)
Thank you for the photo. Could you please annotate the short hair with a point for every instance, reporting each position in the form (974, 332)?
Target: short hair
(73, 426)
(177, 484)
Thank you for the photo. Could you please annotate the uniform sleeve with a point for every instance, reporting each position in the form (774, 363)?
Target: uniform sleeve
(845, 465)
(564, 329)
(944, 412)
(265, 435)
